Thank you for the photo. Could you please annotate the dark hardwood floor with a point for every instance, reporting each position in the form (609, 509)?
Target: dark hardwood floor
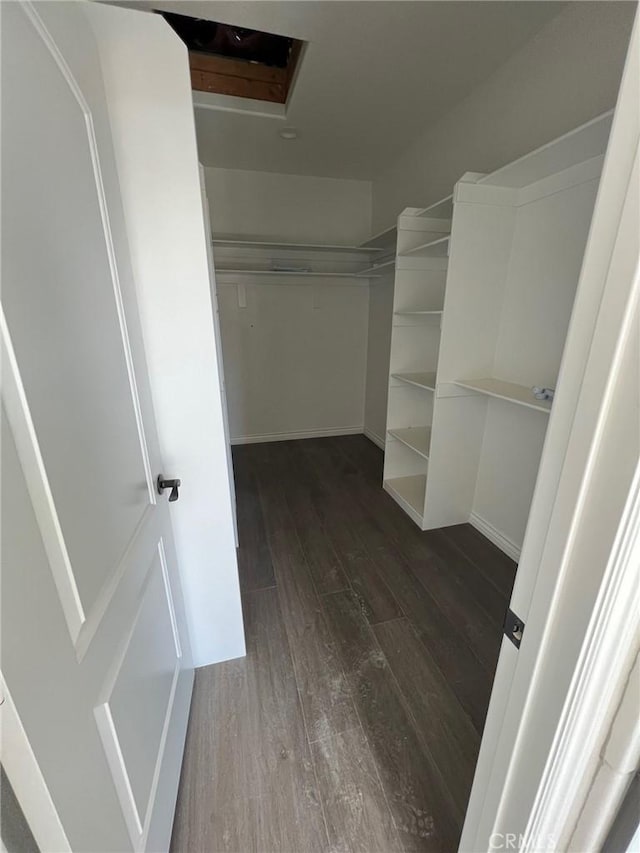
(354, 722)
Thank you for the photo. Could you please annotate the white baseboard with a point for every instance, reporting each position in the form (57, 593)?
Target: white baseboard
(289, 436)
(493, 535)
(375, 438)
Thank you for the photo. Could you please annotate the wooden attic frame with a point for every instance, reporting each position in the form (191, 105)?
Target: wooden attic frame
(241, 79)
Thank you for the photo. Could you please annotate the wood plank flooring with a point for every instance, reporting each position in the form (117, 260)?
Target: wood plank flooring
(353, 724)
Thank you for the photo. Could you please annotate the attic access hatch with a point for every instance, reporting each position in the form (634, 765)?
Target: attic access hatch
(236, 61)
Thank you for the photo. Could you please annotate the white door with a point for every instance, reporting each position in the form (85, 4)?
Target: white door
(218, 337)
(94, 647)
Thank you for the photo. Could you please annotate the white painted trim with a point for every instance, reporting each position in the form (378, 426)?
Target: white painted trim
(27, 781)
(590, 137)
(243, 106)
(494, 535)
(596, 682)
(117, 765)
(155, 781)
(289, 436)
(573, 176)
(375, 438)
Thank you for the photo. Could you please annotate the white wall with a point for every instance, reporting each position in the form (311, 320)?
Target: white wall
(295, 356)
(296, 207)
(155, 147)
(567, 74)
(295, 360)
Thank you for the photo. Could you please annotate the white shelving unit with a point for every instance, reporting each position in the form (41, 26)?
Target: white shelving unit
(376, 268)
(420, 274)
(431, 249)
(507, 288)
(244, 258)
(296, 273)
(409, 493)
(236, 242)
(384, 241)
(427, 381)
(417, 438)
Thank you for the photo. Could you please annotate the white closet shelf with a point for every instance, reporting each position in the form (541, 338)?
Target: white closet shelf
(383, 241)
(274, 244)
(510, 391)
(409, 492)
(420, 380)
(417, 438)
(442, 209)
(375, 267)
(327, 274)
(433, 249)
(421, 313)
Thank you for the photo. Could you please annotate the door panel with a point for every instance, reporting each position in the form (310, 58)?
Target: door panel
(94, 644)
(56, 716)
(137, 706)
(96, 462)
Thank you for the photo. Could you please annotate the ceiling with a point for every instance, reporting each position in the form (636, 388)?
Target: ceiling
(374, 74)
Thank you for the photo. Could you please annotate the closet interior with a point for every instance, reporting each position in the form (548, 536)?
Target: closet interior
(393, 315)
(482, 284)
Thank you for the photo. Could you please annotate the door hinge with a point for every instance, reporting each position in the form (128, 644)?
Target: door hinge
(513, 628)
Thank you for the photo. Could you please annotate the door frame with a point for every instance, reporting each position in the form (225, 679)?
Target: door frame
(542, 739)
(591, 712)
